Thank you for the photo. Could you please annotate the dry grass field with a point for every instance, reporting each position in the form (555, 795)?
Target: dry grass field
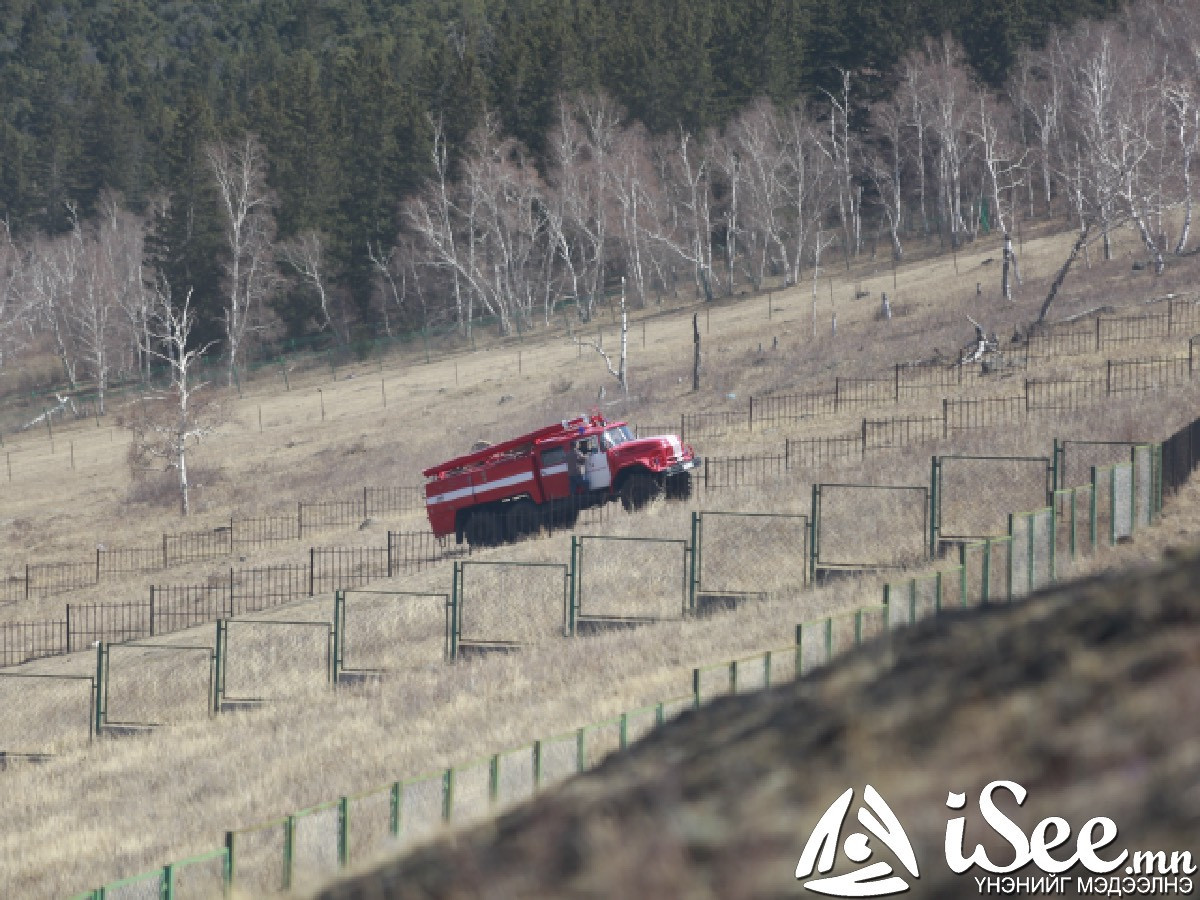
(119, 806)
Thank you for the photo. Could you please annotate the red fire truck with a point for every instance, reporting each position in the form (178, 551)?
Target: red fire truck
(506, 490)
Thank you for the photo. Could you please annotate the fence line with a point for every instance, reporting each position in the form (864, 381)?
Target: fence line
(1024, 557)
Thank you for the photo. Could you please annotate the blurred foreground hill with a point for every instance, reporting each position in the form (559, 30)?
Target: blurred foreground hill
(1088, 696)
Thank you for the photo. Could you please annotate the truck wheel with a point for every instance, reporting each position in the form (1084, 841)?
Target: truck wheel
(637, 491)
(483, 530)
(679, 487)
(521, 519)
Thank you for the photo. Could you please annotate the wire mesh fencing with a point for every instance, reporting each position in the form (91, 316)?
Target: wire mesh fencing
(959, 482)
(371, 627)
(497, 604)
(899, 517)
(628, 580)
(739, 556)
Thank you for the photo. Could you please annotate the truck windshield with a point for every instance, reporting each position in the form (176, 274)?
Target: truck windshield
(617, 435)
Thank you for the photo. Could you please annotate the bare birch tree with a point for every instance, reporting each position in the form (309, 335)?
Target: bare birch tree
(186, 415)
(240, 170)
(305, 253)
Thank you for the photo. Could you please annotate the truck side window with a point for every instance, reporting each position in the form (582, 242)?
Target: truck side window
(553, 457)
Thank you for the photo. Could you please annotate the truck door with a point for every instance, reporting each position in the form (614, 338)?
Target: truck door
(599, 476)
(552, 467)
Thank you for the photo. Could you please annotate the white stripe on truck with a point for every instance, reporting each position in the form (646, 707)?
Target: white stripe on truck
(483, 488)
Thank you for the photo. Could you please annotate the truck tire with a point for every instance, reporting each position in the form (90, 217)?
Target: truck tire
(638, 490)
(483, 529)
(520, 519)
(679, 487)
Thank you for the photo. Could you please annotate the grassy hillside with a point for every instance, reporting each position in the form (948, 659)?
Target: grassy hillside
(310, 745)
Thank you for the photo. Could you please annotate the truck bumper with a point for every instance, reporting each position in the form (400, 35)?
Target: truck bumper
(680, 467)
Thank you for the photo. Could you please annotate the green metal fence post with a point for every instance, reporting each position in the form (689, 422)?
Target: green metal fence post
(1158, 480)
(395, 798)
(230, 863)
(733, 677)
(1053, 542)
(828, 639)
(289, 849)
(1057, 471)
(696, 569)
(767, 670)
(99, 711)
(934, 469)
(448, 795)
(1112, 505)
(574, 593)
(937, 593)
(494, 779)
(799, 650)
(339, 634)
(815, 534)
(537, 763)
(1074, 542)
(696, 688)
(1093, 510)
(623, 739)
(887, 600)
(343, 838)
(986, 587)
(580, 749)
(1029, 557)
(912, 601)
(219, 680)
(962, 582)
(168, 882)
(457, 566)
(1012, 543)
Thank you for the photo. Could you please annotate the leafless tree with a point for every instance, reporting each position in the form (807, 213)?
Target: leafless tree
(686, 225)
(54, 275)
(840, 146)
(305, 253)
(1002, 159)
(621, 370)
(186, 414)
(240, 170)
(759, 140)
(15, 312)
(808, 182)
(948, 83)
(581, 193)
(884, 162)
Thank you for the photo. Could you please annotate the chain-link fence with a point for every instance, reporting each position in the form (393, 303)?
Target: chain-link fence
(370, 625)
(628, 580)
(899, 517)
(740, 555)
(973, 494)
(135, 694)
(260, 660)
(499, 605)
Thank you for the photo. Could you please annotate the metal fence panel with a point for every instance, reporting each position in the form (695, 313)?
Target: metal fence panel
(471, 799)
(516, 775)
(315, 848)
(421, 807)
(744, 554)
(559, 758)
(1122, 500)
(1143, 484)
(630, 579)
